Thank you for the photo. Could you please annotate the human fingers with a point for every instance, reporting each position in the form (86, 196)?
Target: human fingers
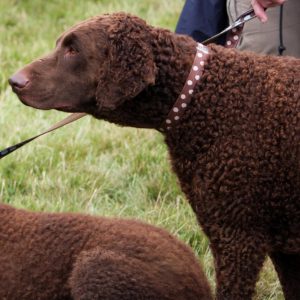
(260, 5)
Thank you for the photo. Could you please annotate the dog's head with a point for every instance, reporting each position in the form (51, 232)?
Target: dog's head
(96, 65)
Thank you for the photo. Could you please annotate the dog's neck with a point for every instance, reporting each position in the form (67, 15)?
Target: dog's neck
(186, 93)
(173, 56)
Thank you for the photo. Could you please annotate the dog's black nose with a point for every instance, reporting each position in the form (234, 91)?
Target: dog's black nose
(17, 81)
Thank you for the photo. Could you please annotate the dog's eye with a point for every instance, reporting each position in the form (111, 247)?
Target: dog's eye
(71, 51)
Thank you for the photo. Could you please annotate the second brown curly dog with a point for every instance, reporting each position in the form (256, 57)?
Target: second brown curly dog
(235, 150)
(68, 256)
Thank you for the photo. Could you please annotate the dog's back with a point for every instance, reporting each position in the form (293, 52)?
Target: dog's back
(63, 255)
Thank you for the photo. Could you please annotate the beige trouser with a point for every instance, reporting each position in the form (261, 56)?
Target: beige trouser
(264, 38)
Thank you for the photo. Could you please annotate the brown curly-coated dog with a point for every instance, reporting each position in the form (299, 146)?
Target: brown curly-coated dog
(235, 150)
(64, 256)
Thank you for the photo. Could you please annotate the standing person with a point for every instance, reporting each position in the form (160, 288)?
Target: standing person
(262, 35)
(204, 19)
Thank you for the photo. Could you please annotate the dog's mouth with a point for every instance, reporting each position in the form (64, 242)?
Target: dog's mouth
(26, 101)
(64, 108)
(16, 89)
(43, 104)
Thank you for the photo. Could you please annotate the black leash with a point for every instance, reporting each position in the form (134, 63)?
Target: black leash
(66, 121)
(281, 48)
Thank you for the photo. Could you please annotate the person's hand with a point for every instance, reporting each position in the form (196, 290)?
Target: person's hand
(259, 5)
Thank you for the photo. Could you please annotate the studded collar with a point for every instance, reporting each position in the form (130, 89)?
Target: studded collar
(185, 96)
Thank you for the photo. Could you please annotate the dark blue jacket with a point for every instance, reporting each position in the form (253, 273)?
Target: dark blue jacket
(202, 19)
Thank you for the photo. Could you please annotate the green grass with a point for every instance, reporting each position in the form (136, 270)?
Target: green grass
(90, 166)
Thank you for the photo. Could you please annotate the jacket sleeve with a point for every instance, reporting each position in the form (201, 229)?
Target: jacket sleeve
(202, 19)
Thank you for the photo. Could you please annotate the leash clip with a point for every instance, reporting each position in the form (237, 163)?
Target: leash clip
(235, 30)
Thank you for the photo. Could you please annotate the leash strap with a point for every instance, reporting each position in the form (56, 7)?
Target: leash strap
(62, 123)
(235, 30)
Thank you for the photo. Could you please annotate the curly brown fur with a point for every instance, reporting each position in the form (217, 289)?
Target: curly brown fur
(235, 150)
(74, 256)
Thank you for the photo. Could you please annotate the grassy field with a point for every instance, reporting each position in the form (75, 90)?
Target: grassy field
(90, 166)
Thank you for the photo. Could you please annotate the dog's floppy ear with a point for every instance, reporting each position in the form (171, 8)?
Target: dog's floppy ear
(129, 66)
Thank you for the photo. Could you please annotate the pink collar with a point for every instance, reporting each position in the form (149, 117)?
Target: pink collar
(186, 94)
